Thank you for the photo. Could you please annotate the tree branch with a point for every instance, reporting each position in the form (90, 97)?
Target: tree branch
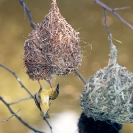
(121, 8)
(48, 124)
(105, 23)
(20, 100)
(18, 79)
(19, 118)
(31, 96)
(79, 75)
(28, 13)
(114, 12)
(9, 117)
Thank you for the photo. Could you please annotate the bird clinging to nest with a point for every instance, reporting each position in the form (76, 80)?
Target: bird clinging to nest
(43, 99)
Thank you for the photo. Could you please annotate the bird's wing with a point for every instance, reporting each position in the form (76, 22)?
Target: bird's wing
(37, 104)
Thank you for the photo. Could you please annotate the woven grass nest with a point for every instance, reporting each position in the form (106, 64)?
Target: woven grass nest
(108, 95)
(52, 48)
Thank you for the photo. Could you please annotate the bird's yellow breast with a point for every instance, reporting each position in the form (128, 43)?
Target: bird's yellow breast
(45, 100)
(45, 94)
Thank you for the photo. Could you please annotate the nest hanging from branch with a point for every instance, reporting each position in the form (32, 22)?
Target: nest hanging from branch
(108, 95)
(52, 48)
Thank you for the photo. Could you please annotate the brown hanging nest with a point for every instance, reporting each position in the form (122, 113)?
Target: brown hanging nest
(108, 95)
(52, 48)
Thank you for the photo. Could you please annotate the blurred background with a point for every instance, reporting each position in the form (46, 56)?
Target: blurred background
(86, 17)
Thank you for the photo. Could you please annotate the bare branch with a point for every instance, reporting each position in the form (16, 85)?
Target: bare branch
(78, 74)
(114, 12)
(105, 23)
(18, 79)
(9, 117)
(20, 100)
(121, 8)
(19, 118)
(28, 13)
(48, 124)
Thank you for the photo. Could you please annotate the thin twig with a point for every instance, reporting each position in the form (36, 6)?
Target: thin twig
(9, 117)
(79, 75)
(121, 8)
(19, 118)
(28, 13)
(20, 100)
(105, 22)
(48, 124)
(114, 12)
(113, 50)
(18, 79)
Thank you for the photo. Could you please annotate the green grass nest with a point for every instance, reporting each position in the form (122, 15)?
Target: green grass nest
(108, 95)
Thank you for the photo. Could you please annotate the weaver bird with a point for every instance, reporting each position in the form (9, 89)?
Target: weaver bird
(43, 99)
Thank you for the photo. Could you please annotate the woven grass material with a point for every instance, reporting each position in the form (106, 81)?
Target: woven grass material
(53, 48)
(108, 95)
